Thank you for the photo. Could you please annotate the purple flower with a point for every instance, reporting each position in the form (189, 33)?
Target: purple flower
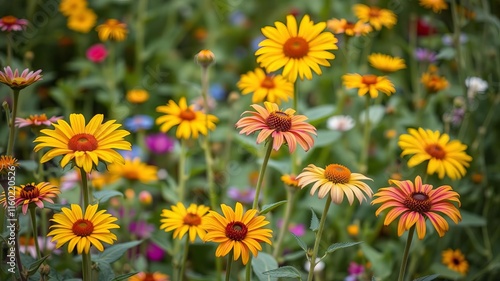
(457, 115)
(425, 55)
(245, 196)
(138, 122)
(160, 143)
(355, 269)
(297, 229)
(155, 252)
(141, 229)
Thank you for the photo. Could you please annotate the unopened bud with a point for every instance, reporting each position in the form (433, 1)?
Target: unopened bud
(205, 58)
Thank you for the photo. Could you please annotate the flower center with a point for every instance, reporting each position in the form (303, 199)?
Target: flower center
(296, 47)
(418, 202)
(456, 261)
(39, 118)
(279, 121)
(369, 79)
(374, 12)
(29, 192)
(192, 219)
(18, 80)
(268, 82)
(82, 142)
(9, 20)
(112, 23)
(349, 25)
(83, 227)
(236, 231)
(337, 173)
(436, 151)
(187, 115)
(149, 277)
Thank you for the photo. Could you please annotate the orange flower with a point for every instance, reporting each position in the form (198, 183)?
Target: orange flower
(376, 16)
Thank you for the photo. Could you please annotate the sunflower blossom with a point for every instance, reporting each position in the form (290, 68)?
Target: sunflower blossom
(84, 145)
(265, 87)
(445, 157)
(296, 49)
(455, 260)
(376, 16)
(336, 180)
(368, 83)
(82, 230)
(236, 230)
(191, 122)
(386, 63)
(281, 126)
(181, 220)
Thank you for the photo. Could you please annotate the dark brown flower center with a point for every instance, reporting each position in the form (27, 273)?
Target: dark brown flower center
(83, 227)
(236, 231)
(337, 173)
(187, 115)
(456, 261)
(192, 219)
(418, 202)
(268, 82)
(296, 47)
(279, 121)
(29, 192)
(369, 79)
(436, 151)
(82, 142)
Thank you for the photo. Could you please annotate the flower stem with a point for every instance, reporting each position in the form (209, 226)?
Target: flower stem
(262, 172)
(290, 198)
(228, 267)
(86, 260)
(12, 132)
(321, 226)
(35, 231)
(182, 171)
(363, 167)
(184, 259)
(406, 254)
(139, 36)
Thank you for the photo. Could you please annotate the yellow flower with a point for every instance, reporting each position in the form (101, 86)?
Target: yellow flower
(182, 220)
(445, 157)
(296, 49)
(432, 81)
(455, 260)
(290, 180)
(336, 180)
(338, 26)
(205, 58)
(436, 5)
(149, 276)
(353, 229)
(376, 16)
(265, 87)
(84, 145)
(82, 20)
(134, 170)
(36, 194)
(191, 122)
(137, 96)
(69, 7)
(386, 63)
(368, 83)
(239, 231)
(112, 29)
(82, 230)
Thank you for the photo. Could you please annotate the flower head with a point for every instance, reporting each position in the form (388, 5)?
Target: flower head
(475, 85)
(133, 170)
(82, 230)
(191, 122)
(141, 229)
(245, 196)
(425, 55)
(236, 230)
(112, 29)
(205, 58)
(82, 20)
(339, 26)
(290, 180)
(376, 16)
(386, 63)
(415, 203)
(11, 23)
(336, 180)
(436, 5)
(160, 143)
(16, 81)
(265, 87)
(149, 276)
(445, 157)
(84, 145)
(68, 7)
(368, 83)
(181, 220)
(97, 53)
(455, 260)
(36, 194)
(281, 126)
(340, 123)
(297, 49)
(7, 163)
(137, 96)
(432, 81)
(36, 120)
(138, 123)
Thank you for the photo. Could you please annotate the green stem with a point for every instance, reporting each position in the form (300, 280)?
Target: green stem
(228, 266)
(139, 36)
(294, 156)
(363, 167)
(318, 240)
(262, 172)
(184, 259)
(406, 254)
(86, 260)
(35, 231)
(286, 221)
(12, 132)
(8, 60)
(182, 171)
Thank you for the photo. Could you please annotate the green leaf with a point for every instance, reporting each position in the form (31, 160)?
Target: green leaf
(382, 263)
(284, 272)
(28, 165)
(334, 247)
(113, 253)
(106, 273)
(33, 267)
(446, 53)
(471, 219)
(427, 278)
(375, 114)
(318, 113)
(105, 195)
(262, 263)
(54, 207)
(124, 276)
(326, 137)
(314, 221)
(249, 144)
(269, 207)
(301, 243)
(444, 271)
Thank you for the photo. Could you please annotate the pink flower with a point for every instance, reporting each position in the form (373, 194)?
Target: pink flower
(36, 120)
(16, 81)
(97, 53)
(11, 23)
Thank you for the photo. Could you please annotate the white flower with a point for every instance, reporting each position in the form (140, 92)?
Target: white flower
(340, 123)
(320, 265)
(476, 84)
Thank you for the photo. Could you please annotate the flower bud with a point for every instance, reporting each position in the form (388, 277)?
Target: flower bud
(205, 58)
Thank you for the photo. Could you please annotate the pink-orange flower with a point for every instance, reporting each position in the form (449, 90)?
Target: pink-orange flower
(36, 120)
(281, 126)
(11, 23)
(16, 81)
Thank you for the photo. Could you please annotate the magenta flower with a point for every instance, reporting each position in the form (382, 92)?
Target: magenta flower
(97, 53)
(297, 229)
(36, 120)
(11, 23)
(16, 81)
(160, 143)
(245, 196)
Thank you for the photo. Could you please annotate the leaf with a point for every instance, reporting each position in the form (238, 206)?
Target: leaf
(54, 207)
(262, 263)
(446, 53)
(316, 114)
(427, 278)
(471, 219)
(326, 137)
(105, 271)
(28, 165)
(33, 267)
(105, 195)
(375, 114)
(314, 221)
(269, 207)
(124, 276)
(284, 272)
(113, 253)
(382, 263)
(444, 271)
(334, 247)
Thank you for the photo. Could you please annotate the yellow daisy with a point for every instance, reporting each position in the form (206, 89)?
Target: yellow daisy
(265, 87)
(182, 220)
(296, 49)
(376, 16)
(338, 26)
(82, 20)
(69, 7)
(445, 157)
(386, 63)
(239, 231)
(137, 96)
(86, 145)
(368, 83)
(112, 29)
(81, 230)
(290, 180)
(191, 122)
(134, 170)
(455, 260)
(436, 5)
(336, 180)
(432, 81)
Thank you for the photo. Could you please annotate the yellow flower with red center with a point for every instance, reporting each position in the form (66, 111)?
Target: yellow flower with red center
(432, 81)
(265, 87)
(339, 26)
(455, 260)
(134, 170)
(281, 126)
(82, 20)
(386, 63)
(368, 83)
(112, 29)
(297, 50)
(415, 203)
(376, 16)
(436, 5)
(182, 220)
(241, 232)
